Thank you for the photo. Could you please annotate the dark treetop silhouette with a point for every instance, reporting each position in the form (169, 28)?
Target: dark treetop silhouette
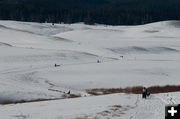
(113, 12)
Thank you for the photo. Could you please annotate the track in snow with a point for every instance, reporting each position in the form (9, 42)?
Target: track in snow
(151, 108)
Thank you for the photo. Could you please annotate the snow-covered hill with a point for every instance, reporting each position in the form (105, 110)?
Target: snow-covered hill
(29, 51)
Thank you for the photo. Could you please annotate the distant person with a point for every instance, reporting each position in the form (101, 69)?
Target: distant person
(69, 92)
(55, 65)
(144, 92)
(98, 61)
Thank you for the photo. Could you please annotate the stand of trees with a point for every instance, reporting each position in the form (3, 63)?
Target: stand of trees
(112, 12)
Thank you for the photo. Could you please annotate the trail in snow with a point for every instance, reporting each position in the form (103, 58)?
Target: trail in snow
(38, 68)
(151, 108)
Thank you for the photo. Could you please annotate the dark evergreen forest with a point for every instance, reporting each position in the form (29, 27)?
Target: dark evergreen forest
(113, 12)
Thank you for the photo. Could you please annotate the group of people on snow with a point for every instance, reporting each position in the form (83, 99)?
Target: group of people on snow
(145, 93)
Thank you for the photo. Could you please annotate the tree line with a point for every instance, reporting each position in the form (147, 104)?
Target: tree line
(111, 12)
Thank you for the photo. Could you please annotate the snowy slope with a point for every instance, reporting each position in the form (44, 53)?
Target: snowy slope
(116, 106)
(28, 52)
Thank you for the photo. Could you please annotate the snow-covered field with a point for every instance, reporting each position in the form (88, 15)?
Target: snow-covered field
(29, 51)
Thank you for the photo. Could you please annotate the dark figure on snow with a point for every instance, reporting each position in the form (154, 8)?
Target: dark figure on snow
(69, 92)
(144, 92)
(98, 61)
(57, 65)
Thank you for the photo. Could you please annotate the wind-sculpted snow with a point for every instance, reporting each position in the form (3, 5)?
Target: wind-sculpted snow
(45, 61)
(5, 44)
(34, 28)
(144, 50)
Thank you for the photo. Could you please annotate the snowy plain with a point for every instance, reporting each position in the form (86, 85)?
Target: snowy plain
(28, 52)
